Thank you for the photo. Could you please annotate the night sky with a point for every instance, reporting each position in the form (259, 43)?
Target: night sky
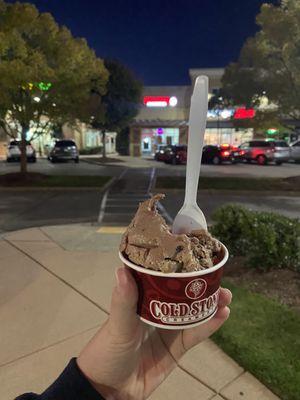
(158, 39)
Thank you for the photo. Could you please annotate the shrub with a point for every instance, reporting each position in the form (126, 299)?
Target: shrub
(91, 150)
(267, 240)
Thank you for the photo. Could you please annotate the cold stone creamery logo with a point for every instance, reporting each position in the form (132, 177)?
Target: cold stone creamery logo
(195, 289)
(183, 313)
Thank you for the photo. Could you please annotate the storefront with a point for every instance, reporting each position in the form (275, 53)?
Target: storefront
(152, 138)
(163, 117)
(93, 138)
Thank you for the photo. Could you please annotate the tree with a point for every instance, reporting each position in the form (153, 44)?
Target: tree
(269, 66)
(121, 102)
(46, 75)
(122, 141)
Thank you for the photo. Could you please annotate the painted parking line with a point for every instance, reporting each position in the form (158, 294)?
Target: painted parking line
(112, 230)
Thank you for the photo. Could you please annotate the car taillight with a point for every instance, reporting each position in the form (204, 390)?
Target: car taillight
(225, 153)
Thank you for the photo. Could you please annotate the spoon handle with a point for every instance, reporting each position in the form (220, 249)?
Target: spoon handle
(197, 124)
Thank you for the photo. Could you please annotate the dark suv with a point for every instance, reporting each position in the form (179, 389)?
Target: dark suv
(160, 153)
(216, 154)
(64, 150)
(176, 154)
(263, 151)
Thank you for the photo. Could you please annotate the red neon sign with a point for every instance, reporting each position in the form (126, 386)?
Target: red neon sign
(160, 101)
(242, 113)
(150, 99)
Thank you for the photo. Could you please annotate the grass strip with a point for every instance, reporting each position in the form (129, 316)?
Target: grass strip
(263, 336)
(231, 183)
(40, 180)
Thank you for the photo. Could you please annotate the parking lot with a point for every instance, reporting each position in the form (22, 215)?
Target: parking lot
(90, 166)
(26, 208)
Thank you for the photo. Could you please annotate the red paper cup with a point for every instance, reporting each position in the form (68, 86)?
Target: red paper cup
(177, 300)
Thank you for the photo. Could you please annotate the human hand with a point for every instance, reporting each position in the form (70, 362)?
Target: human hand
(126, 359)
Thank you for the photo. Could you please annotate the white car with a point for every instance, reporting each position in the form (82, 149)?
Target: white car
(14, 151)
(295, 151)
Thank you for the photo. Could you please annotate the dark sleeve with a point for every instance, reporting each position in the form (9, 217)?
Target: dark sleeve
(70, 385)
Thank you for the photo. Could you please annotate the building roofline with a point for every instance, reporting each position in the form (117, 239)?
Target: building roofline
(206, 71)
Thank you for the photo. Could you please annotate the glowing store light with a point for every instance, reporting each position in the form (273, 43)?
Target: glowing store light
(226, 114)
(156, 104)
(173, 101)
(37, 99)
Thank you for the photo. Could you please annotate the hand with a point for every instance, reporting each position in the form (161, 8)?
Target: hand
(127, 359)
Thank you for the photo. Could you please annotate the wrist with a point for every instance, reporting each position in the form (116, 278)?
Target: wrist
(107, 392)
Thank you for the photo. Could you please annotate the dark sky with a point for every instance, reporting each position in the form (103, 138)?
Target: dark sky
(159, 39)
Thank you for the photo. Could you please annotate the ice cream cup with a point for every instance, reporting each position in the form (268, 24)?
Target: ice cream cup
(177, 300)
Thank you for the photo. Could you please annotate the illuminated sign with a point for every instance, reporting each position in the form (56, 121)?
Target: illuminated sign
(160, 101)
(225, 113)
(272, 131)
(243, 113)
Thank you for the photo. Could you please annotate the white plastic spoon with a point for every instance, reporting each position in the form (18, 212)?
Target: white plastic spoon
(190, 217)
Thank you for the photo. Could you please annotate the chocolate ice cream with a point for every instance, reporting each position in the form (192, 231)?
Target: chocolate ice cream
(148, 242)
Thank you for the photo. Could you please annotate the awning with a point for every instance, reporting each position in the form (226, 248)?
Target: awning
(158, 123)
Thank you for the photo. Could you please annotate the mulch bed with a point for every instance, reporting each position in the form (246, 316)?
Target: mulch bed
(280, 284)
(17, 179)
(106, 160)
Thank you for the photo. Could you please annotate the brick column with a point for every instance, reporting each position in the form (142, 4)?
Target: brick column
(135, 141)
(183, 134)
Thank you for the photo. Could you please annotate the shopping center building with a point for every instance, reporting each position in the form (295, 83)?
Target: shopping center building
(163, 117)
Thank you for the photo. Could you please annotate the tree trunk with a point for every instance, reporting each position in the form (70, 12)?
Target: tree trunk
(23, 159)
(103, 144)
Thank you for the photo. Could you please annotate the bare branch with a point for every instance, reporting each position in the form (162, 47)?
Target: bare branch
(6, 127)
(43, 130)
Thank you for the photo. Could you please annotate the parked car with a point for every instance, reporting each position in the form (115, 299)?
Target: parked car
(176, 154)
(263, 152)
(14, 151)
(160, 153)
(64, 150)
(295, 151)
(216, 154)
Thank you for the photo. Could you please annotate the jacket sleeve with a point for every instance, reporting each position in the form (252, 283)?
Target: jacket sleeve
(70, 385)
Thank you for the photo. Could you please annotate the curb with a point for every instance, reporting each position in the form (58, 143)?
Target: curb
(109, 164)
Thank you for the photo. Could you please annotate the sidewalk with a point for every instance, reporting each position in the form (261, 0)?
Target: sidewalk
(55, 293)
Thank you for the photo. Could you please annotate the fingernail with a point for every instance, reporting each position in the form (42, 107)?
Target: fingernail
(228, 311)
(121, 277)
(229, 293)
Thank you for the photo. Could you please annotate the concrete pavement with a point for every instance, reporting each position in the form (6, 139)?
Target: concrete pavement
(55, 292)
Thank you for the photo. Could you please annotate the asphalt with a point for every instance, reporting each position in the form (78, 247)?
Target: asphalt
(92, 166)
(21, 209)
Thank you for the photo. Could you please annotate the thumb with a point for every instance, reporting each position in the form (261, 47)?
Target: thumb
(123, 320)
